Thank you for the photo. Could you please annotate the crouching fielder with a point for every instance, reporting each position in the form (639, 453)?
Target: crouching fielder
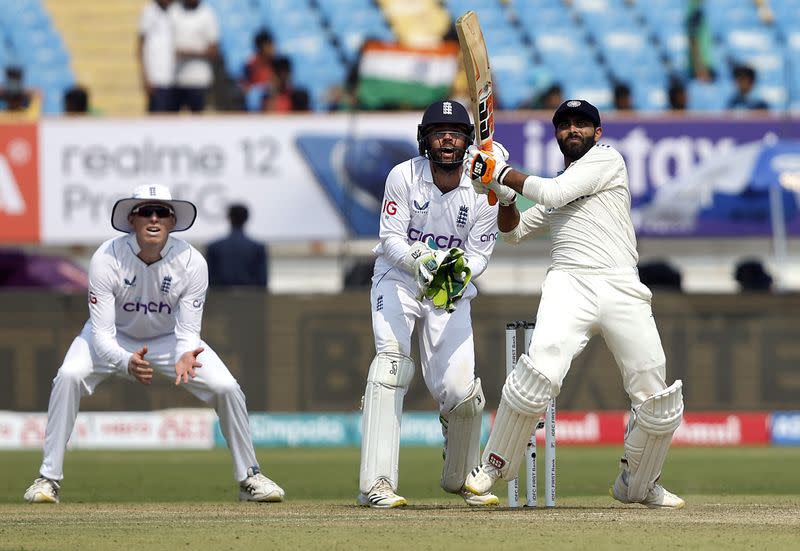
(146, 295)
(591, 287)
(436, 235)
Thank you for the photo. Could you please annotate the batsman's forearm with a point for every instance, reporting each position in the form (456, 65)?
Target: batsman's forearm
(507, 218)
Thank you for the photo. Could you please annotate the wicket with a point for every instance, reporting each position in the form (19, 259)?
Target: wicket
(548, 424)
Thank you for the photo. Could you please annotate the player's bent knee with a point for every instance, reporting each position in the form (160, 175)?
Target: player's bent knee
(527, 390)
(391, 369)
(463, 443)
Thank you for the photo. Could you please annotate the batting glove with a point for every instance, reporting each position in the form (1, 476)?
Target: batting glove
(486, 165)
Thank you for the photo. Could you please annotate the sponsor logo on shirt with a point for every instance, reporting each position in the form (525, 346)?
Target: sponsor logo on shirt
(389, 207)
(148, 307)
(129, 282)
(92, 298)
(421, 209)
(442, 241)
(488, 237)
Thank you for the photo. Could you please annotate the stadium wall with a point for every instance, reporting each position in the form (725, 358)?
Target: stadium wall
(310, 353)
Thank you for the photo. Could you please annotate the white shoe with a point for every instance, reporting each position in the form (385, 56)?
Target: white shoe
(381, 496)
(657, 496)
(257, 487)
(481, 479)
(43, 490)
(482, 500)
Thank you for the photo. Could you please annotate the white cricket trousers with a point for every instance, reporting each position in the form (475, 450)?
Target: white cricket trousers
(574, 306)
(447, 350)
(82, 371)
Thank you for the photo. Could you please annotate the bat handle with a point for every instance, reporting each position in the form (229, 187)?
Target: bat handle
(492, 198)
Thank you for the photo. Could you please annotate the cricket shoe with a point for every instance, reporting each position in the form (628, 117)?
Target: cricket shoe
(257, 487)
(43, 490)
(381, 496)
(481, 479)
(657, 496)
(482, 500)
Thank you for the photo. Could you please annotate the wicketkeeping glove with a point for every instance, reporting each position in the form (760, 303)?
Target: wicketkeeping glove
(486, 165)
(423, 262)
(450, 281)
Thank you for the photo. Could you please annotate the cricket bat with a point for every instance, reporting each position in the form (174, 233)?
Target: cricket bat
(479, 81)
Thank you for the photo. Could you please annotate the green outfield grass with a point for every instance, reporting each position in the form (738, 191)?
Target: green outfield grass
(742, 498)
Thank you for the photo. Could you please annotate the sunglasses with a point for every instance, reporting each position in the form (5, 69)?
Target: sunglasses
(147, 211)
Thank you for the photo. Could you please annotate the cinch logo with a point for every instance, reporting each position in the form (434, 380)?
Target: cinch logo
(147, 308)
(442, 241)
(487, 237)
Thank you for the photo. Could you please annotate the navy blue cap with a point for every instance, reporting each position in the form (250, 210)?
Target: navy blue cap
(577, 107)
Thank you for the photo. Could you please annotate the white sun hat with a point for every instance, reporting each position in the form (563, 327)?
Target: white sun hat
(185, 212)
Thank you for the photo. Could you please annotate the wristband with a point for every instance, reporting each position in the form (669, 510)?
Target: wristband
(503, 173)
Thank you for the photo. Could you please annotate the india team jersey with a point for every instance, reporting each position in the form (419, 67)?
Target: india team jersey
(587, 209)
(414, 209)
(145, 301)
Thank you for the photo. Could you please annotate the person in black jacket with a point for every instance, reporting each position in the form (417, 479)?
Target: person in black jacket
(237, 260)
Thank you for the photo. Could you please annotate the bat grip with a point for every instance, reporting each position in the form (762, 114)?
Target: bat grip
(492, 198)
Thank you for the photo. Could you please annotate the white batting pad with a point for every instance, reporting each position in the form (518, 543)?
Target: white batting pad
(387, 382)
(648, 437)
(463, 450)
(526, 394)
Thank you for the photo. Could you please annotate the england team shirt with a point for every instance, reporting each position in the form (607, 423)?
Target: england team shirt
(144, 301)
(414, 209)
(587, 210)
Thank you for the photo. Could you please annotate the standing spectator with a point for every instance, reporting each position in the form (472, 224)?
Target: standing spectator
(701, 64)
(752, 277)
(156, 55)
(146, 295)
(237, 260)
(196, 33)
(744, 98)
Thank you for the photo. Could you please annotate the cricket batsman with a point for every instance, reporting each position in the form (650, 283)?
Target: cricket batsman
(436, 237)
(592, 287)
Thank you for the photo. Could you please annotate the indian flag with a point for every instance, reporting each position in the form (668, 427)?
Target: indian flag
(392, 76)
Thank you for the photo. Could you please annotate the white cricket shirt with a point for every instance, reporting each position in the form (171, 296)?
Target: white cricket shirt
(158, 52)
(414, 209)
(142, 302)
(194, 30)
(588, 211)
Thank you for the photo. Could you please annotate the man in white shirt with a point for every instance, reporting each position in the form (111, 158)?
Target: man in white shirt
(156, 55)
(431, 220)
(196, 35)
(146, 295)
(591, 287)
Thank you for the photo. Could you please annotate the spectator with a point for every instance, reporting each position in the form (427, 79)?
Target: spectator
(196, 35)
(18, 99)
(752, 277)
(745, 79)
(300, 100)
(549, 99)
(660, 274)
(678, 98)
(622, 97)
(76, 100)
(283, 96)
(237, 260)
(156, 54)
(258, 69)
(701, 65)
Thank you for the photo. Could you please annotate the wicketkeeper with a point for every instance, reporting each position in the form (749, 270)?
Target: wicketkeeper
(592, 287)
(436, 237)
